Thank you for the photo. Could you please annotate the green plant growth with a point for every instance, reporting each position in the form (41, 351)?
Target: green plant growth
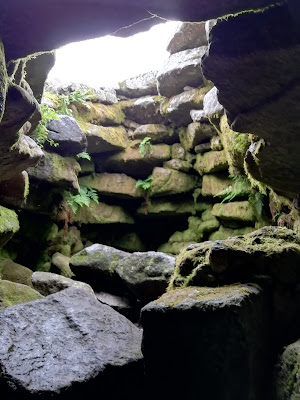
(145, 147)
(66, 100)
(145, 185)
(84, 155)
(255, 198)
(256, 201)
(236, 190)
(40, 134)
(83, 198)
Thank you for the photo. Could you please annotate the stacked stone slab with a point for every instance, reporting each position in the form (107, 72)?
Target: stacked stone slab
(166, 128)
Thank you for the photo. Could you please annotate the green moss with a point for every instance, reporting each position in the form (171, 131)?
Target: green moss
(8, 221)
(194, 295)
(12, 293)
(99, 114)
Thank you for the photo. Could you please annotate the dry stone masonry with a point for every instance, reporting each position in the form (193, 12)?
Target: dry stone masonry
(149, 234)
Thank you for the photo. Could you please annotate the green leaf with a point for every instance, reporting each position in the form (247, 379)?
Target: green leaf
(84, 155)
(145, 146)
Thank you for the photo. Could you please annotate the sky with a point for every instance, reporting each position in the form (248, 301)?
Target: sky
(108, 60)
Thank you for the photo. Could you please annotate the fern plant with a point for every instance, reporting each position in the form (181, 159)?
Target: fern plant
(40, 135)
(145, 185)
(75, 97)
(84, 155)
(235, 190)
(83, 198)
(145, 146)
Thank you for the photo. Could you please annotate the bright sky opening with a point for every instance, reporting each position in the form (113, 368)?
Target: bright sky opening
(108, 60)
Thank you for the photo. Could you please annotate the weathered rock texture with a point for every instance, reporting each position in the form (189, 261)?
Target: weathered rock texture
(207, 329)
(58, 334)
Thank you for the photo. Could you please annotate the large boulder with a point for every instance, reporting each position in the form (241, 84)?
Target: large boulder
(85, 345)
(242, 47)
(141, 85)
(146, 274)
(215, 339)
(96, 265)
(237, 210)
(48, 283)
(187, 36)
(180, 70)
(272, 252)
(67, 133)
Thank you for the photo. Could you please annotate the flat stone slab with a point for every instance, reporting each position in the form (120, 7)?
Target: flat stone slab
(236, 210)
(101, 139)
(139, 86)
(188, 35)
(57, 170)
(156, 132)
(132, 163)
(210, 162)
(117, 185)
(180, 70)
(101, 213)
(166, 182)
(177, 109)
(145, 110)
(66, 344)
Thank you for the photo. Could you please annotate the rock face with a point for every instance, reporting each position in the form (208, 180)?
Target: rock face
(139, 86)
(75, 336)
(287, 374)
(12, 293)
(96, 265)
(67, 133)
(228, 319)
(146, 274)
(47, 283)
(188, 36)
(61, 171)
(252, 110)
(270, 251)
(180, 70)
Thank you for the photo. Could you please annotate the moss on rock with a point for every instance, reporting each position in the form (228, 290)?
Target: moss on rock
(212, 161)
(12, 293)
